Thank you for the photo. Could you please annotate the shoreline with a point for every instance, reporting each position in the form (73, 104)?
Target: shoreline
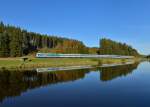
(33, 63)
(80, 67)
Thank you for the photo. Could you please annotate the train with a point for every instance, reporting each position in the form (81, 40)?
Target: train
(56, 55)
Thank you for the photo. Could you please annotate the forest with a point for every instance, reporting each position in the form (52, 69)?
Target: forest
(16, 42)
(108, 46)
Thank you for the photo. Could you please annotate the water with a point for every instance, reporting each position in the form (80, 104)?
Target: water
(120, 86)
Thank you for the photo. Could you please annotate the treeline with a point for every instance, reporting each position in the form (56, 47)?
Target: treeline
(15, 42)
(110, 47)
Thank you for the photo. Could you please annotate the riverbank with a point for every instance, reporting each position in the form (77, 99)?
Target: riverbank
(80, 67)
(31, 62)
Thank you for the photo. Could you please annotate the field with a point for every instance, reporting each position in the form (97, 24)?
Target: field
(31, 62)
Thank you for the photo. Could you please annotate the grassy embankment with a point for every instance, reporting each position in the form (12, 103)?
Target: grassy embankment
(18, 63)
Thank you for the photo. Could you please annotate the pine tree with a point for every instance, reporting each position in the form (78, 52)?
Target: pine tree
(4, 45)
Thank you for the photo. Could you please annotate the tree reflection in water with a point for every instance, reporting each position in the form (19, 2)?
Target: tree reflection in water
(13, 83)
(109, 73)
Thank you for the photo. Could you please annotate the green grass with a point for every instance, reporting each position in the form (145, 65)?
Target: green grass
(54, 62)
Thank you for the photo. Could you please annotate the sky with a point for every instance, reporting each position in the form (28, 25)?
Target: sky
(86, 20)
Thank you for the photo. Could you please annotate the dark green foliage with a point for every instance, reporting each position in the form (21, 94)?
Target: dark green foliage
(111, 47)
(4, 45)
(148, 56)
(94, 50)
(17, 42)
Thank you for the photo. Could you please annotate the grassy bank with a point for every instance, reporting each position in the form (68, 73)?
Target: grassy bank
(16, 63)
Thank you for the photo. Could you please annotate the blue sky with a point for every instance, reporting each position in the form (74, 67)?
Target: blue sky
(86, 20)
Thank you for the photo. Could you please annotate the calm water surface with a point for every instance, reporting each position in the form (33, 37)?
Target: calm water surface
(120, 86)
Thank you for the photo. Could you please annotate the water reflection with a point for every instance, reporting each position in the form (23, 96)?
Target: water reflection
(109, 73)
(13, 83)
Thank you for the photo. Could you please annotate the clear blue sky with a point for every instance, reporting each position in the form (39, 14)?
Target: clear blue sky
(86, 20)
